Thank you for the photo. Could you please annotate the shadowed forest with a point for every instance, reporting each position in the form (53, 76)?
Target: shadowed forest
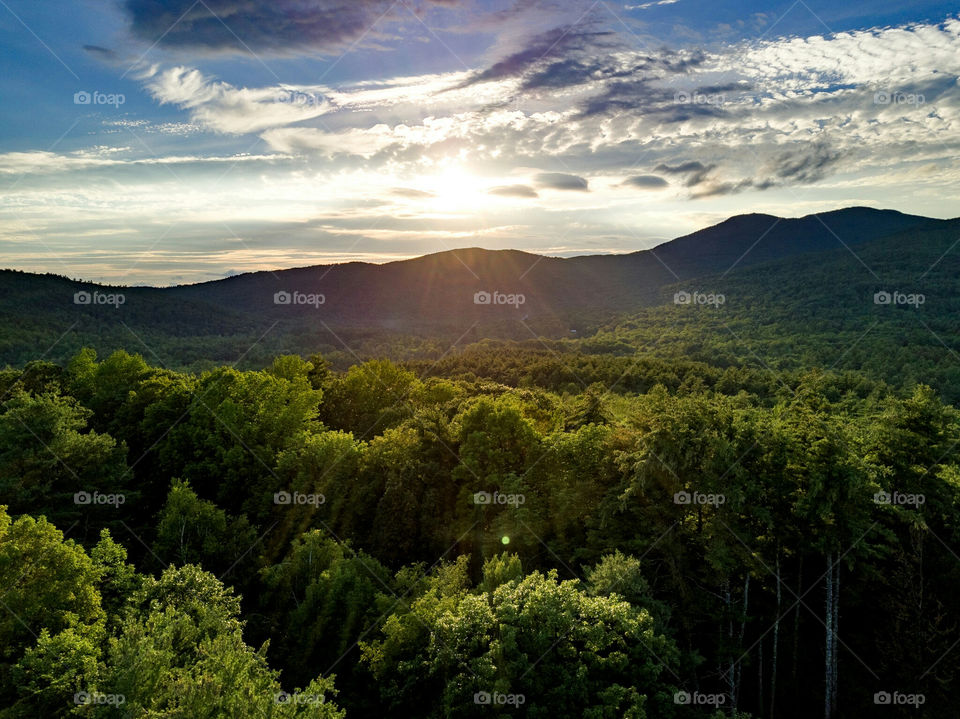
(594, 538)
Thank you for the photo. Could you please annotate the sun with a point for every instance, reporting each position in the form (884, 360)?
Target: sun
(456, 188)
(452, 188)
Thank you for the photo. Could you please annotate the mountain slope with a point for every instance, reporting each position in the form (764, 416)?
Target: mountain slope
(890, 308)
(341, 307)
(438, 289)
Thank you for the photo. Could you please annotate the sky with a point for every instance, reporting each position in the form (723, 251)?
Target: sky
(173, 141)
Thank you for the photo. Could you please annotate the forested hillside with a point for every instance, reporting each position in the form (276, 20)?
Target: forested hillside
(511, 531)
(785, 280)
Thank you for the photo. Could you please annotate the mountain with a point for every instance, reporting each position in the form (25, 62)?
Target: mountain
(438, 290)
(752, 239)
(888, 309)
(465, 293)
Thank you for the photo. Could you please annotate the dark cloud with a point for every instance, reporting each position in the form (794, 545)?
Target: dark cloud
(646, 182)
(619, 96)
(562, 73)
(567, 72)
(560, 42)
(639, 91)
(101, 53)
(562, 181)
(274, 26)
(712, 188)
(806, 164)
(739, 86)
(696, 172)
(514, 191)
(700, 179)
(411, 193)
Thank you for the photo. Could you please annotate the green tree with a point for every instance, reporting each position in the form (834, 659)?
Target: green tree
(180, 653)
(369, 398)
(51, 606)
(565, 652)
(191, 530)
(236, 425)
(47, 457)
(323, 466)
(319, 601)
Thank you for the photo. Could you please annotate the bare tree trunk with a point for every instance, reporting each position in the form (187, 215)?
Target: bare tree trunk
(743, 629)
(776, 642)
(836, 626)
(731, 677)
(760, 674)
(796, 626)
(828, 660)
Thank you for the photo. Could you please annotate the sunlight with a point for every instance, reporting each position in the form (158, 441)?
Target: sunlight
(456, 188)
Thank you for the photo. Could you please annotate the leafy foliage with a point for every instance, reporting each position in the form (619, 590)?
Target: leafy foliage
(403, 542)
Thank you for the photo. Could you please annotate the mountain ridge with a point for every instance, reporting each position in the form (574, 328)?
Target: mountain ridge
(469, 292)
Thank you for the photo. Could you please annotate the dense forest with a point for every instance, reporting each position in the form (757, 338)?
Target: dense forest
(510, 530)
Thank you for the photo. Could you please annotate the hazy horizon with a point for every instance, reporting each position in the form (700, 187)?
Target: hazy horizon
(382, 260)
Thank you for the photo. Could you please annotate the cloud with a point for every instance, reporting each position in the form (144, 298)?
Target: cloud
(221, 107)
(646, 182)
(606, 66)
(354, 142)
(561, 181)
(274, 26)
(559, 42)
(514, 191)
(636, 83)
(713, 188)
(648, 5)
(696, 172)
(47, 163)
(102, 53)
(420, 119)
(703, 183)
(411, 193)
(806, 164)
(794, 111)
